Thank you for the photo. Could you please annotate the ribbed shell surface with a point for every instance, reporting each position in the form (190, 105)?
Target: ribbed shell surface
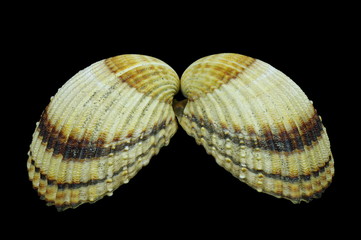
(258, 124)
(101, 128)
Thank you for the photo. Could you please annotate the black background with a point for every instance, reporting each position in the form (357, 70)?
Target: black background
(182, 190)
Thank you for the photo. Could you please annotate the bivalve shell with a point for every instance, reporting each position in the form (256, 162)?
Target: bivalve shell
(108, 120)
(258, 124)
(101, 128)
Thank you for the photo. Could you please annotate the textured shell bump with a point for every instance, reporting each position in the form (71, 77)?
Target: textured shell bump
(258, 124)
(101, 128)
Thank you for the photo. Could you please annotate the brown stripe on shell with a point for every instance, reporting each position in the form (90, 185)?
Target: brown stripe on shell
(290, 179)
(307, 180)
(61, 188)
(82, 149)
(284, 141)
(147, 77)
(73, 185)
(217, 70)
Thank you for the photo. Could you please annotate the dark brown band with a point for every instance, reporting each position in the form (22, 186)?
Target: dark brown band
(284, 141)
(75, 149)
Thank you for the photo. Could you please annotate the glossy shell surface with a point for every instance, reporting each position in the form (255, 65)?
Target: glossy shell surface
(101, 128)
(258, 124)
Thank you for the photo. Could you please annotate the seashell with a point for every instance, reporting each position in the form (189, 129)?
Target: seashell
(258, 124)
(101, 128)
(108, 120)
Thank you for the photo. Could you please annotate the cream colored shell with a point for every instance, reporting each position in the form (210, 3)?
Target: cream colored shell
(108, 120)
(101, 128)
(258, 124)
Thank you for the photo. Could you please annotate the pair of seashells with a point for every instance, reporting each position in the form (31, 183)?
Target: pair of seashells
(108, 120)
